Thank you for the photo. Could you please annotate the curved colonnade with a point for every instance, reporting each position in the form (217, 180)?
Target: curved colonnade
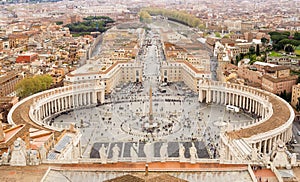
(273, 122)
(37, 109)
(274, 118)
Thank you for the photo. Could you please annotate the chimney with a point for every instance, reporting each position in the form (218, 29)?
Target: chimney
(2, 135)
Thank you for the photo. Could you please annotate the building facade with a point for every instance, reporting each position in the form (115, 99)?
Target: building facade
(8, 82)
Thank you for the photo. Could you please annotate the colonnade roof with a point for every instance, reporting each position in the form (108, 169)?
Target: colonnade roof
(280, 116)
(21, 115)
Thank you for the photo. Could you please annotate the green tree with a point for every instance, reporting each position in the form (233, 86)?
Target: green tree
(264, 40)
(297, 36)
(252, 50)
(178, 16)
(145, 17)
(286, 96)
(32, 85)
(257, 50)
(59, 23)
(217, 34)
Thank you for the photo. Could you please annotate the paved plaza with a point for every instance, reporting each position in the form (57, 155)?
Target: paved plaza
(179, 120)
(125, 122)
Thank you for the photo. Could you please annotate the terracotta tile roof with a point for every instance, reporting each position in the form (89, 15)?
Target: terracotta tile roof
(126, 178)
(276, 68)
(7, 77)
(165, 178)
(277, 80)
(9, 133)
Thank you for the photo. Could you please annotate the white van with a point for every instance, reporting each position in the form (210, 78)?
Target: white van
(232, 108)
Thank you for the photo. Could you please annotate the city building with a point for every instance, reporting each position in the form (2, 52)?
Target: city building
(295, 95)
(8, 82)
(27, 58)
(278, 79)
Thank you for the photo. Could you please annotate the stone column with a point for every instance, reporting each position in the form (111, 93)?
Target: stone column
(43, 112)
(221, 97)
(94, 98)
(280, 136)
(285, 136)
(59, 104)
(40, 114)
(89, 98)
(74, 98)
(52, 107)
(260, 145)
(270, 145)
(102, 97)
(290, 132)
(46, 109)
(240, 101)
(208, 96)
(265, 147)
(83, 99)
(55, 106)
(80, 99)
(63, 103)
(36, 114)
(214, 96)
(49, 108)
(70, 101)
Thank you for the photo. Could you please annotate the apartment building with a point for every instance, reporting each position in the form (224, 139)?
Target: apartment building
(8, 82)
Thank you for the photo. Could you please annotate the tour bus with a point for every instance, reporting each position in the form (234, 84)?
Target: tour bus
(232, 108)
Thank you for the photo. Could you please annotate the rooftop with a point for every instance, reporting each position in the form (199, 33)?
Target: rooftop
(277, 80)
(281, 114)
(9, 133)
(89, 68)
(164, 172)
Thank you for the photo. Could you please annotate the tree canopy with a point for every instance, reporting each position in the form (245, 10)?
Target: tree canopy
(179, 16)
(32, 85)
(281, 39)
(145, 17)
(90, 24)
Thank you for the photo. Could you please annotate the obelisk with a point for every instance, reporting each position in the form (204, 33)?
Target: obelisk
(150, 107)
